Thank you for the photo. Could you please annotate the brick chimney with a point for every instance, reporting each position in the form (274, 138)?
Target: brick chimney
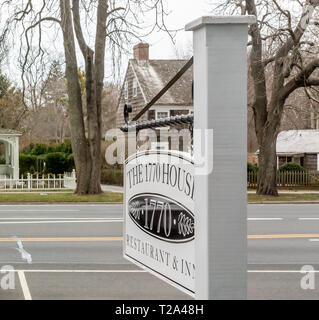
(141, 51)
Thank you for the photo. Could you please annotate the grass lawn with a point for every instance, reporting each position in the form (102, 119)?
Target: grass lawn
(287, 197)
(36, 191)
(54, 197)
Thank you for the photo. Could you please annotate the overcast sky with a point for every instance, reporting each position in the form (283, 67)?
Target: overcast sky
(181, 12)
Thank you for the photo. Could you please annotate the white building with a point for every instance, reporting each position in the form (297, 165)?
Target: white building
(10, 167)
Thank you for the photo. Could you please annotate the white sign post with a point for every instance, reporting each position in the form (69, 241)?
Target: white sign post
(220, 105)
(180, 216)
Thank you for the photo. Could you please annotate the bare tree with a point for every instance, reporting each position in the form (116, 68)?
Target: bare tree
(117, 23)
(183, 50)
(110, 99)
(3, 42)
(282, 45)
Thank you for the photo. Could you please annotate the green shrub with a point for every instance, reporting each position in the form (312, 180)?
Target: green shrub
(252, 167)
(68, 147)
(28, 149)
(40, 148)
(58, 163)
(51, 147)
(60, 147)
(27, 162)
(112, 177)
(291, 166)
(47, 158)
(45, 148)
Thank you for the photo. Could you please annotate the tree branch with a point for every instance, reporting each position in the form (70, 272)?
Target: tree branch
(302, 79)
(257, 71)
(85, 49)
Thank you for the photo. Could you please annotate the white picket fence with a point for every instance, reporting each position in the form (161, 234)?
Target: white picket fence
(40, 182)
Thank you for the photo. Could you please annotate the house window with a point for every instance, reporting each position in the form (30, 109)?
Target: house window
(126, 90)
(296, 160)
(162, 115)
(134, 88)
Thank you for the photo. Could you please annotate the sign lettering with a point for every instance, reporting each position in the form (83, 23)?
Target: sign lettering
(159, 215)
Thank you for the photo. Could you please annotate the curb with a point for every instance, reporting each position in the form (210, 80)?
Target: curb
(285, 202)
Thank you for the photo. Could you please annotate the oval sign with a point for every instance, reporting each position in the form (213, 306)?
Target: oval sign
(162, 218)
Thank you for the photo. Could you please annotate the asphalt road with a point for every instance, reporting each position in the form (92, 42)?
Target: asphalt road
(76, 253)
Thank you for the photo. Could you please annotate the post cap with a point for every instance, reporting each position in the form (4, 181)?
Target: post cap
(205, 20)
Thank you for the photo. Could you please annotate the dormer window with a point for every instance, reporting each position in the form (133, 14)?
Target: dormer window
(126, 90)
(134, 88)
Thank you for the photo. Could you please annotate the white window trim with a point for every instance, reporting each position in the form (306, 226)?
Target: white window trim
(171, 108)
(168, 109)
(134, 88)
(161, 111)
(157, 118)
(143, 94)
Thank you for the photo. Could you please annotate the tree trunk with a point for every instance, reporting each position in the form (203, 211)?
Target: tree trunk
(267, 181)
(79, 143)
(94, 130)
(267, 139)
(95, 72)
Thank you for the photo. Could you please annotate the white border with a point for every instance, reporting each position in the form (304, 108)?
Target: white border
(144, 267)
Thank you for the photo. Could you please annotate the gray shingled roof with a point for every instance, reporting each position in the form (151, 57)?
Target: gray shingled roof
(9, 132)
(153, 75)
(298, 141)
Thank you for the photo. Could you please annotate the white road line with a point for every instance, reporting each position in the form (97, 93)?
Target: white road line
(60, 221)
(313, 240)
(282, 271)
(138, 271)
(70, 204)
(76, 271)
(24, 285)
(265, 219)
(35, 210)
(308, 219)
(57, 218)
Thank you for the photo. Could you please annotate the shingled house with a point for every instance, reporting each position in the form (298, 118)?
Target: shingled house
(299, 146)
(145, 78)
